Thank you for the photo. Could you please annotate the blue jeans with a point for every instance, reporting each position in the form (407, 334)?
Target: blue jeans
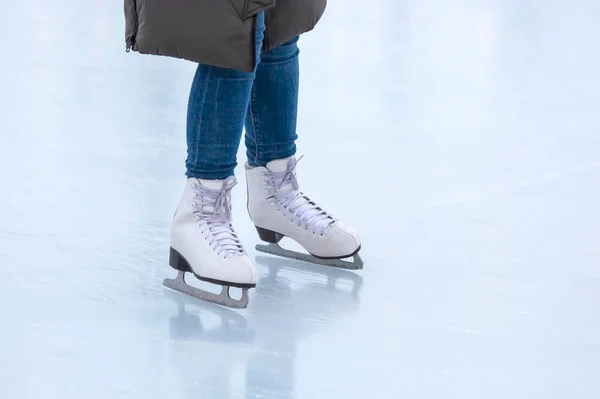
(222, 101)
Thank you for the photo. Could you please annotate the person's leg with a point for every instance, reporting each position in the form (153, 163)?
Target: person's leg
(275, 203)
(217, 108)
(272, 112)
(203, 240)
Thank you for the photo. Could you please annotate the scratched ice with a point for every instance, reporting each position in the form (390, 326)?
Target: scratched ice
(460, 138)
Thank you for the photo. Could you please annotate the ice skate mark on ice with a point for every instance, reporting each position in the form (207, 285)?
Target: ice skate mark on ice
(463, 330)
(507, 188)
(102, 298)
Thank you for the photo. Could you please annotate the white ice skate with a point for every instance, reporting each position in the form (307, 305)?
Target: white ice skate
(279, 209)
(204, 243)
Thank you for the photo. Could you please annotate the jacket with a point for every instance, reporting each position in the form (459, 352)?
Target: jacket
(215, 32)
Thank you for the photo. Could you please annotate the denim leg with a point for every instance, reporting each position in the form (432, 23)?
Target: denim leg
(272, 112)
(217, 108)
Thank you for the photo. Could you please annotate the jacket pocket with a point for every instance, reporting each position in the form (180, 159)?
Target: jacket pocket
(249, 8)
(131, 23)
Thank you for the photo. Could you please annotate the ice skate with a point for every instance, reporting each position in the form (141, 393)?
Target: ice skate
(279, 209)
(204, 243)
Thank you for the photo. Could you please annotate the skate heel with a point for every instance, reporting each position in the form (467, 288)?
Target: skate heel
(268, 235)
(178, 262)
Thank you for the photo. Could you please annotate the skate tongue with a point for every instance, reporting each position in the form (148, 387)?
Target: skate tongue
(279, 165)
(222, 197)
(212, 184)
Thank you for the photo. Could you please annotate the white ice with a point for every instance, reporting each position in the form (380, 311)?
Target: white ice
(461, 138)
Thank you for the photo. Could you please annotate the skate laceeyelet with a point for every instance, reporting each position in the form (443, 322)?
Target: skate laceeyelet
(279, 209)
(204, 243)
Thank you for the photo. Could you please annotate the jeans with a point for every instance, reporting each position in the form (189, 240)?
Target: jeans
(224, 101)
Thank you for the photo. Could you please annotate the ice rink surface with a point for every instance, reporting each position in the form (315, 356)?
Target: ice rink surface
(461, 139)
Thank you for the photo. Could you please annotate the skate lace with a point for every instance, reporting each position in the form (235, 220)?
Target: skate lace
(285, 194)
(214, 215)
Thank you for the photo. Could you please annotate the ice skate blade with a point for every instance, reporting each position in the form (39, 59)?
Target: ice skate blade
(275, 249)
(223, 299)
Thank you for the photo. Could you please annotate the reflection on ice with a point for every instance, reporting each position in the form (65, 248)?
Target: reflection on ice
(256, 340)
(459, 138)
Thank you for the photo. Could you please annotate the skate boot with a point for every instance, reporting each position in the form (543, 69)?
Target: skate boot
(279, 209)
(204, 243)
